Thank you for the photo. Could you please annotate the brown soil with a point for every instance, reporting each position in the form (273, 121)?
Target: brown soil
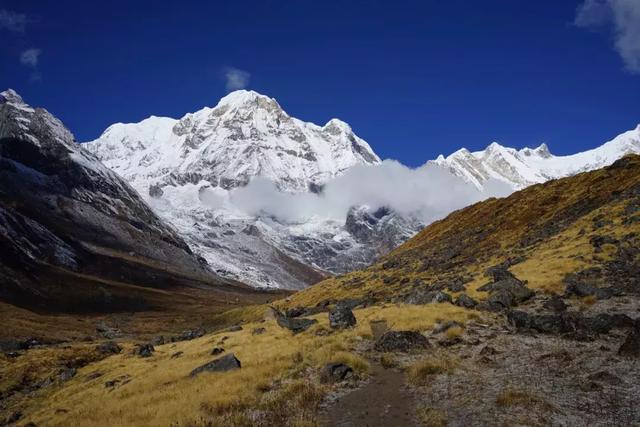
(384, 401)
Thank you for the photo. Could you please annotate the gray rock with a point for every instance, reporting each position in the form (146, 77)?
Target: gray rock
(502, 299)
(66, 374)
(631, 345)
(295, 325)
(159, 340)
(145, 350)
(422, 296)
(403, 341)
(223, 364)
(108, 347)
(555, 304)
(188, 335)
(465, 301)
(573, 324)
(341, 317)
(335, 372)
(258, 331)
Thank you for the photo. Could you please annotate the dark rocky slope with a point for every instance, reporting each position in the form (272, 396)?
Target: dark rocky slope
(74, 236)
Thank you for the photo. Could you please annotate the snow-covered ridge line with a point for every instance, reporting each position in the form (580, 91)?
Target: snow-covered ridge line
(520, 168)
(245, 135)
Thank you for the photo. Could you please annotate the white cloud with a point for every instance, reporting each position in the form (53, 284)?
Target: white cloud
(428, 193)
(12, 21)
(236, 78)
(30, 57)
(624, 17)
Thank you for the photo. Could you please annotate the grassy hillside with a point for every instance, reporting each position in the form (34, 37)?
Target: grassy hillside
(547, 231)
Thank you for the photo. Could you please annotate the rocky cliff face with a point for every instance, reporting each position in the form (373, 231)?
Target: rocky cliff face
(67, 220)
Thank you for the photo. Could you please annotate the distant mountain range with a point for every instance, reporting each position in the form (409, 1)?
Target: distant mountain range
(187, 170)
(521, 168)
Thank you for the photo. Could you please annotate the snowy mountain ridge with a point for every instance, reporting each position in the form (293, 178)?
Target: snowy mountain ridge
(245, 135)
(521, 168)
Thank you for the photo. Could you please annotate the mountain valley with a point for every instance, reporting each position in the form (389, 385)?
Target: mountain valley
(514, 310)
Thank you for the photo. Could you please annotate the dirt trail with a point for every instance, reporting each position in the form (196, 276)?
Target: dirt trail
(384, 401)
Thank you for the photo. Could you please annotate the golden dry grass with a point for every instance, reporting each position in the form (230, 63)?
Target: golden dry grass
(161, 392)
(454, 332)
(431, 417)
(523, 398)
(441, 363)
(556, 218)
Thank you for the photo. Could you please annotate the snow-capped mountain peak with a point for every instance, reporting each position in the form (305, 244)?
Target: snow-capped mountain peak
(527, 166)
(244, 136)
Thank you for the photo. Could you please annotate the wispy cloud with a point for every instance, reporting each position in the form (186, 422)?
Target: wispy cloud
(389, 184)
(236, 78)
(12, 21)
(30, 57)
(624, 17)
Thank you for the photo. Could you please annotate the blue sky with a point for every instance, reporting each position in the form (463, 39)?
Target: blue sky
(413, 78)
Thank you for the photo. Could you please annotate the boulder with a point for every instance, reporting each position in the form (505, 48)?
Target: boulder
(581, 289)
(465, 301)
(572, 323)
(107, 331)
(177, 354)
(295, 312)
(501, 300)
(456, 285)
(258, 331)
(66, 374)
(234, 328)
(421, 296)
(159, 340)
(223, 364)
(555, 304)
(295, 325)
(145, 350)
(108, 347)
(500, 272)
(403, 341)
(631, 345)
(335, 372)
(341, 317)
(505, 291)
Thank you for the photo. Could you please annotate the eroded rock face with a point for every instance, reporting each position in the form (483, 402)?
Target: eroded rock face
(403, 341)
(60, 208)
(223, 364)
